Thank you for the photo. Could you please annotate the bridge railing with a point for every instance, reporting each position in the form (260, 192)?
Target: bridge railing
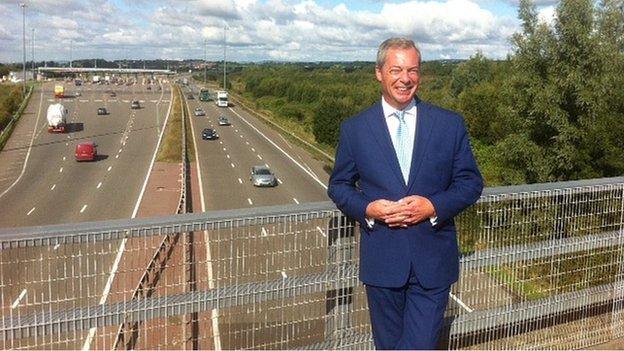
(542, 267)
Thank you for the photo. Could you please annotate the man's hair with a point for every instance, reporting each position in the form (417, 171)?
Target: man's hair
(395, 43)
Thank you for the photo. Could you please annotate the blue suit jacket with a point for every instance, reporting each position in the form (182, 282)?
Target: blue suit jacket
(443, 170)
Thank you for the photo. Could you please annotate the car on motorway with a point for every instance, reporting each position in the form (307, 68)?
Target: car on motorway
(102, 111)
(135, 104)
(199, 112)
(112, 94)
(209, 134)
(262, 176)
(224, 121)
(149, 87)
(190, 96)
(86, 151)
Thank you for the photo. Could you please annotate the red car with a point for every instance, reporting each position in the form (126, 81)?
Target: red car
(86, 151)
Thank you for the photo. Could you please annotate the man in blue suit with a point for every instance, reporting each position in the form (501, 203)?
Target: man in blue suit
(404, 168)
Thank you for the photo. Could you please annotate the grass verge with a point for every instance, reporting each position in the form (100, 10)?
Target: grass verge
(171, 147)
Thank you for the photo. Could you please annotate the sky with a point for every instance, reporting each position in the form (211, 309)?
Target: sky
(256, 30)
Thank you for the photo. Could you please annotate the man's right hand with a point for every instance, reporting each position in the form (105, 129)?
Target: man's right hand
(386, 211)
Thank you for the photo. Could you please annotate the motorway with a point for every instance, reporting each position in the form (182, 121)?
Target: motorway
(54, 188)
(225, 163)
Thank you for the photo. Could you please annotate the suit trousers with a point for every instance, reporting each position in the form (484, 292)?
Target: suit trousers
(407, 318)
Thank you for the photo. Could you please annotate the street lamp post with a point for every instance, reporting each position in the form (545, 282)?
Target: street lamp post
(205, 64)
(33, 53)
(224, 61)
(23, 6)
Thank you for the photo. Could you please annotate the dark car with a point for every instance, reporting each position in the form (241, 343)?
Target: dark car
(102, 111)
(224, 121)
(135, 104)
(86, 151)
(190, 96)
(262, 176)
(209, 134)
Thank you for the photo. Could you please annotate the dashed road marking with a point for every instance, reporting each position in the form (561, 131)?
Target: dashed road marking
(296, 201)
(64, 158)
(99, 185)
(31, 211)
(231, 164)
(224, 149)
(284, 275)
(247, 142)
(280, 181)
(249, 200)
(109, 168)
(19, 298)
(61, 170)
(253, 150)
(264, 232)
(321, 231)
(260, 157)
(226, 155)
(53, 186)
(240, 180)
(56, 246)
(117, 156)
(84, 207)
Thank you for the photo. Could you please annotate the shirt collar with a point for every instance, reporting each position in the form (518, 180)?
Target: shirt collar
(409, 110)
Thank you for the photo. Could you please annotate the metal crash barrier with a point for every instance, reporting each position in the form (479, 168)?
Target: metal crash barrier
(542, 268)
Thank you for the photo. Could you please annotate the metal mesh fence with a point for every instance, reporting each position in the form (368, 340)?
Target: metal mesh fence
(542, 268)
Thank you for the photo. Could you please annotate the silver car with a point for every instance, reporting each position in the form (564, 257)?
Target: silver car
(199, 112)
(262, 176)
(223, 121)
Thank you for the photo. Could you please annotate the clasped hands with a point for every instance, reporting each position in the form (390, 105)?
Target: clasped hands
(407, 211)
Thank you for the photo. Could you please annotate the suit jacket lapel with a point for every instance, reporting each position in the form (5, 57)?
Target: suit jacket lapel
(379, 129)
(424, 125)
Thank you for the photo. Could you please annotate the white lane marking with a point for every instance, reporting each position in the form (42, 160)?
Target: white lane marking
(240, 180)
(53, 186)
(31, 211)
(221, 142)
(241, 136)
(249, 200)
(321, 231)
(253, 150)
(117, 156)
(228, 156)
(84, 207)
(280, 181)
(57, 246)
(122, 246)
(66, 144)
(64, 158)
(109, 168)
(296, 201)
(224, 149)
(260, 157)
(61, 170)
(280, 149)
(120, 150)
(99, 185)
(98, 100)
(247, 142)
(284, 275)
(232, 165)
(211, 282)
(460, 303)
(264, 232)
(286, 141)
(19, 298)
(236, 130)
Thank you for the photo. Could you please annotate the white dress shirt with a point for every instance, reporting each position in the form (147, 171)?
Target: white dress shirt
(410, 115)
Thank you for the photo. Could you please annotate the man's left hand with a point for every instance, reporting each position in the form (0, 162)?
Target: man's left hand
(417, 209)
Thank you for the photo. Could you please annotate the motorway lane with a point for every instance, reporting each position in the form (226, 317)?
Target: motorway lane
(225, 164)
(74, 275)
(56, 189)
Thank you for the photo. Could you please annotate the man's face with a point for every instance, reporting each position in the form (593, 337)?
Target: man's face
(399, 76)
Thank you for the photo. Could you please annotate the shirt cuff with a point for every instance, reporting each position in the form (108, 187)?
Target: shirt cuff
(370, 222)
(433, 220)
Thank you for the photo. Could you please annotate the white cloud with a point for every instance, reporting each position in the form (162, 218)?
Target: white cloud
(547, 15)
(257, 29)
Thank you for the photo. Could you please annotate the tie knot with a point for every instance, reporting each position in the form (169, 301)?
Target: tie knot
(400, 115)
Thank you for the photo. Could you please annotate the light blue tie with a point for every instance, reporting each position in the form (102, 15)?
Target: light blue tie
(402, 145)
